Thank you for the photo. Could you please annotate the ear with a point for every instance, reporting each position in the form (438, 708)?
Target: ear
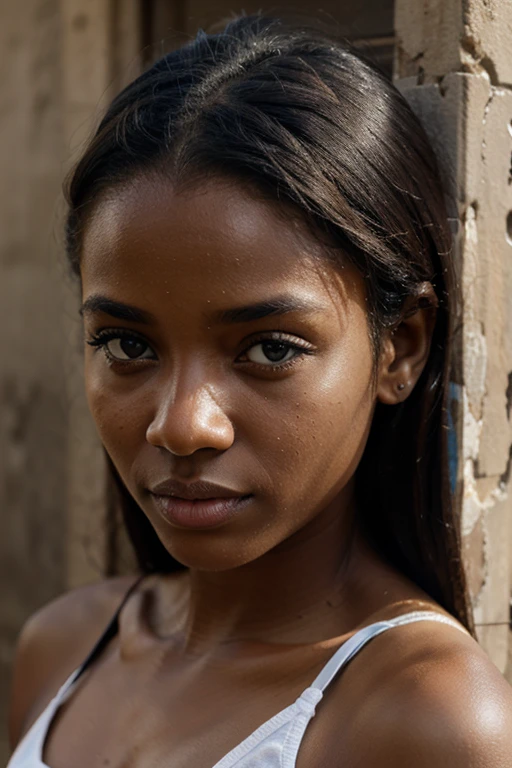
(405, 348)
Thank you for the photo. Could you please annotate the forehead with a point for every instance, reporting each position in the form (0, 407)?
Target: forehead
(146, 240)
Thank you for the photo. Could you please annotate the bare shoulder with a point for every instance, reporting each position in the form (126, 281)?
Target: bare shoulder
(54, 641)
(428, 695)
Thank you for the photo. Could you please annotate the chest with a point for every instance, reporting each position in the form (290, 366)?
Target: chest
(162, 716)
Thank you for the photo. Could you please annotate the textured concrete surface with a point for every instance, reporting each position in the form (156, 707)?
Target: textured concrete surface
(86, 62)
(453, 63)
(442, 36)
(61, 61)
(33, 417)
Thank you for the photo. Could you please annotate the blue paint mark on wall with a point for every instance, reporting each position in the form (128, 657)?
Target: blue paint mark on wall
(454, 399)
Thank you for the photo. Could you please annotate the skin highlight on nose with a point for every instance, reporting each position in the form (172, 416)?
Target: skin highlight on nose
(193, 421)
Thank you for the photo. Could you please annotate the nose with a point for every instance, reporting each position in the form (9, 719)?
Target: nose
(188, 421)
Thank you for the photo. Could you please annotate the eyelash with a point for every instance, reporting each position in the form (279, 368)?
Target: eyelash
(100, 340)
(300, 346)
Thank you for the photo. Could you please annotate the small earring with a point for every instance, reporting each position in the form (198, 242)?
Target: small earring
(400, 386)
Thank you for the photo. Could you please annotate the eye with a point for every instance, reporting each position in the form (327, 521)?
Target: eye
(128, 349)
(272, 352)
(122, 347)
(276, 351)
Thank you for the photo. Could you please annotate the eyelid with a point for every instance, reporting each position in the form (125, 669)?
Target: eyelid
(101, 338)
(287, 338)
(302, 347)
(115, 333)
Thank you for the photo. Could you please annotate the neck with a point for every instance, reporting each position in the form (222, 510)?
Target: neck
(309, 588)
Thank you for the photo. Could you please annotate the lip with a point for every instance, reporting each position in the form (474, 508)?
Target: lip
(199, 504)
(199, 513)
(196, 491)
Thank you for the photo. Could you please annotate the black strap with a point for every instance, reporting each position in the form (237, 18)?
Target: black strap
(110, 632)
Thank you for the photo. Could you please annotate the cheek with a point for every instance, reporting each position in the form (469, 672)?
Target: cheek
(117, 417)
(322, 441)
(313, 438)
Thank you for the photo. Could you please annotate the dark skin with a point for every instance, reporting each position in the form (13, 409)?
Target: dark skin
(203, 658)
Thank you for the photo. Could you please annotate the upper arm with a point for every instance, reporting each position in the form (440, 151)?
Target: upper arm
(54, 642)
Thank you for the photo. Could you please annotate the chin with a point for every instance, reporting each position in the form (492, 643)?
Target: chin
(214, 550)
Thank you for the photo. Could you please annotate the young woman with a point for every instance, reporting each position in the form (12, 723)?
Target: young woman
(262, 245)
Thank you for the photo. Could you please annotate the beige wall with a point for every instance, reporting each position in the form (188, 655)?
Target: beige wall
(61, 61)
(33, 418)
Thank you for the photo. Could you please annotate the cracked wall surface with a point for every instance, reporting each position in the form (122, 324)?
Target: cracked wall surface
(453, 63)
(62, 59)
(441, 36)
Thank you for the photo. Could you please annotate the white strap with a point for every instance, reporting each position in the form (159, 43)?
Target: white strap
(349, 649)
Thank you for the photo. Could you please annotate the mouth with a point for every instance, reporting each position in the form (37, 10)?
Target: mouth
(199, 513)
(197, 505)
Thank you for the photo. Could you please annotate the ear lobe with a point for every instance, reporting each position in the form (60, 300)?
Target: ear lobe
(405, 349)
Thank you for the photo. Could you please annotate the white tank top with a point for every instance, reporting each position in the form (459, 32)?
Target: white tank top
(274, 744)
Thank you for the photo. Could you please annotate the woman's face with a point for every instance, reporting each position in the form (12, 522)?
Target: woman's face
(226, 350)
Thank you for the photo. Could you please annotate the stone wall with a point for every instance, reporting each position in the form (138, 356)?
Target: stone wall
(62, 60)
(453, 63)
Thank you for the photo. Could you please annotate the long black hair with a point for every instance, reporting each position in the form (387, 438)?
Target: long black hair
(310, 123)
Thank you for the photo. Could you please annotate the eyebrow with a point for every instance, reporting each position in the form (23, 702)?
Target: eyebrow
(96, 303)
(280, 305)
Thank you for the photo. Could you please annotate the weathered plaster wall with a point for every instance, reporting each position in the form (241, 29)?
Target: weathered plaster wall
(453, 63)
(58, 59)
(33, 415)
